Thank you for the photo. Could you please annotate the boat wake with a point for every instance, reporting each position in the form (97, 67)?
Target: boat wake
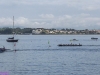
(60, 49)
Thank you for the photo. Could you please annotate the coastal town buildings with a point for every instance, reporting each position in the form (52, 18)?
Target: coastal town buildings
(64, 31)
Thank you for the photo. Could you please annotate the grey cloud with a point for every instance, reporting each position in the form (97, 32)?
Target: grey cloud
(51, 13)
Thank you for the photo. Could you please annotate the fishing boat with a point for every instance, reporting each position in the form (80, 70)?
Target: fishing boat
(12, 39)
(70, 44)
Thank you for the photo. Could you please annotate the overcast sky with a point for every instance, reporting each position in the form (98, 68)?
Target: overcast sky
(77, 14)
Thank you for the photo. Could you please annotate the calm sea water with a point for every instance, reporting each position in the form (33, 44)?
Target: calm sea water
(40, 55)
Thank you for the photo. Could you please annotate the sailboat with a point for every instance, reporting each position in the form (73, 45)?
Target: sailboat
(11, 39)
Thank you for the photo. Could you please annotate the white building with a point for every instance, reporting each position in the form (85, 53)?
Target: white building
(37, 31)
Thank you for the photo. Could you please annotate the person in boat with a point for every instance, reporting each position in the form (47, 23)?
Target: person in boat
(11, 38)
(80, 44)
(3, 48)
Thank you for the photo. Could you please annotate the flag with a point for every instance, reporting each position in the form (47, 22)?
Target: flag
(15, 44)
(48, 42)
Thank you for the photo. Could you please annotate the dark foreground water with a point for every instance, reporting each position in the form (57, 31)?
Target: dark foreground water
(40, 55)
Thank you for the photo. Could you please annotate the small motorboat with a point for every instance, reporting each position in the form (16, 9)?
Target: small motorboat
(2, 49)
(73, 40)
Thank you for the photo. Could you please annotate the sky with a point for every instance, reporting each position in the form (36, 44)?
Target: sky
(76, 14)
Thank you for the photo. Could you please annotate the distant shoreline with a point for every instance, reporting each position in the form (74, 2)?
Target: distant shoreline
(51, 34)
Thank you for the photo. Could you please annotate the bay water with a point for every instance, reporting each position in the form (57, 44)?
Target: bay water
(40, 55)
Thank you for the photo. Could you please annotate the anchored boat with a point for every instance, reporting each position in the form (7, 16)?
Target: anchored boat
(12, 38)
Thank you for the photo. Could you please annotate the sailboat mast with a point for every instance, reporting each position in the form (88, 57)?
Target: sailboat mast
(13, 26)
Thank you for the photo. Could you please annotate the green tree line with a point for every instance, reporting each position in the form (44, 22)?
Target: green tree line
(8, 30)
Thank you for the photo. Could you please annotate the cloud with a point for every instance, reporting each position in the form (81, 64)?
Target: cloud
(81, 21)
(68, 16)
(51, 2)
(91, 8)
(80, 4)
(48, 16)
(84, 15)
(5, 21)
(51, 13)
(9, 21)
(21, 21)
(31, 2)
